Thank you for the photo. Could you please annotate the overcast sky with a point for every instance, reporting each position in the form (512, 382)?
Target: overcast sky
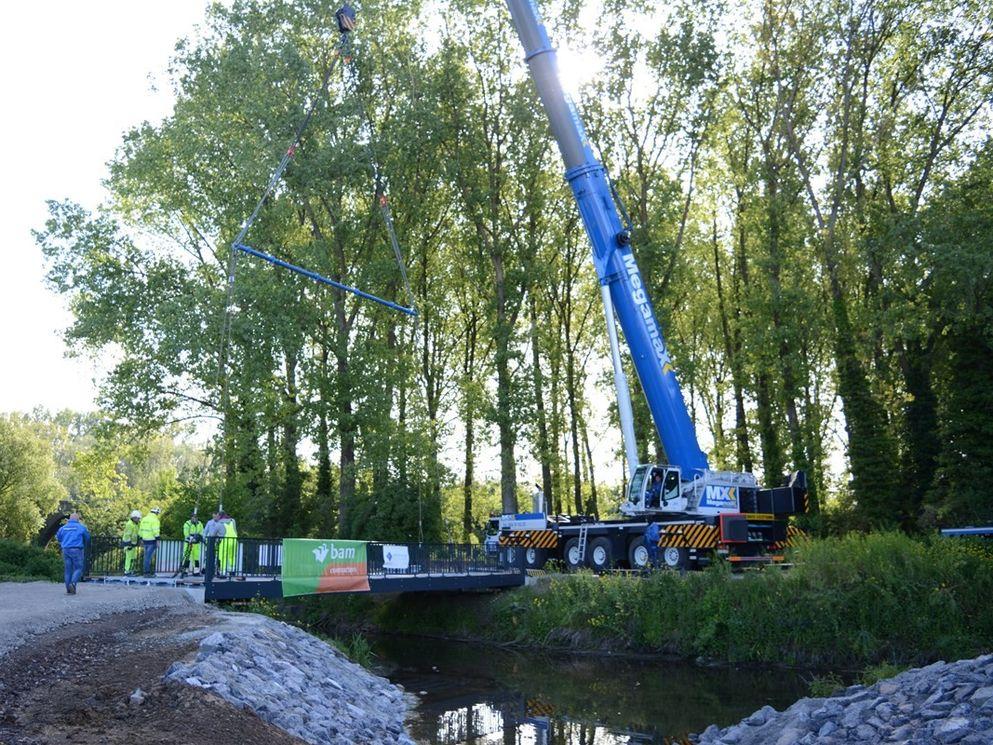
(73, 77)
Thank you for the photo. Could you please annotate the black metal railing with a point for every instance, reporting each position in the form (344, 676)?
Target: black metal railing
(108, 556)
(262, 558)
(391, 559)
(249, 558)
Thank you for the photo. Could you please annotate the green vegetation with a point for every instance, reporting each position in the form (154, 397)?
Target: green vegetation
(92, 465)
(812, 196)
(875, 673)
(355, 646)
(822, 686)
(849, 603)
(20, 562)
(28, 488)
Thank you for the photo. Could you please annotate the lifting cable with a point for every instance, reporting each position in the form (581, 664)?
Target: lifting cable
(345, 17)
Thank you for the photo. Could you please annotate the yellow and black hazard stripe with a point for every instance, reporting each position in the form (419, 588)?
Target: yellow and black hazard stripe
(530, 538)
(538, 708)
(794, 536)
(689, 535)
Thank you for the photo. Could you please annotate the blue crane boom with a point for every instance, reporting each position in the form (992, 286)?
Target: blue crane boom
(613, 259)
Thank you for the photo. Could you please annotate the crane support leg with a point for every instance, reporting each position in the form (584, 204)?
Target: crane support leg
(624, 410)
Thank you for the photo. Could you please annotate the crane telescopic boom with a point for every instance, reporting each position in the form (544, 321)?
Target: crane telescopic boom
(613, 259)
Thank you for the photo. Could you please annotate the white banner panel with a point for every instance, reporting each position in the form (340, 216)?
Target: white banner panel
(396, 557)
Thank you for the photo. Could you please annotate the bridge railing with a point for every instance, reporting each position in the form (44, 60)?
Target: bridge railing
(249, 558)
(262, 559)
(440, 559)
(106, 556)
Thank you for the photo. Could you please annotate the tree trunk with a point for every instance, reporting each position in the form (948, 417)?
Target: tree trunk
(592, 506)
(544, 456)
(504, 415)
(469, 423)
(292, 478)
(324, 494)
(920, 460)
(732, 348)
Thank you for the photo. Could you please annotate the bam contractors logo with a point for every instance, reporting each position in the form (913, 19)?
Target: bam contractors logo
(316, 566)
(719, 496)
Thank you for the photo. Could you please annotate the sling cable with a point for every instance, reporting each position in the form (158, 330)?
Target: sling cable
(346, 23)
(345, 17)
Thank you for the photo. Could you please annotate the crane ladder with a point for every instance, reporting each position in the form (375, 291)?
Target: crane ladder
(583, 530)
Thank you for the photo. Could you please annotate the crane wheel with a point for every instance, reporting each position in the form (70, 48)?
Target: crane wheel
(675, 558)
(600, 555)
(535, 558)
(638, 554)
(571, 555)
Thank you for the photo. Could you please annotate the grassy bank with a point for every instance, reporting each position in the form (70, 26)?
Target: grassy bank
(849, 603)
(21, 562)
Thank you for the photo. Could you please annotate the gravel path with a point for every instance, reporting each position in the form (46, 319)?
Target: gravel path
(37, 607)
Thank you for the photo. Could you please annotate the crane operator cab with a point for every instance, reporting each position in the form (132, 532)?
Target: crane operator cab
(652, 489)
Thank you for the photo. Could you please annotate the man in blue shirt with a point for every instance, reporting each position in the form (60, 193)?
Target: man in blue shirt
(652, 535)
(655, 491)
(74, 539)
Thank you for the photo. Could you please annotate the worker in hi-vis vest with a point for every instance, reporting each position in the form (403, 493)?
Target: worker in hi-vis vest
(129, 541)
(193, 537)
(227, 551)
(149, 530)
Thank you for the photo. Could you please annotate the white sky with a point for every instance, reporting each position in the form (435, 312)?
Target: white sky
(73, 77)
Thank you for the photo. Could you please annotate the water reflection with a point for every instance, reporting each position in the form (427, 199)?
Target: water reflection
(476, 694)
(483, 723)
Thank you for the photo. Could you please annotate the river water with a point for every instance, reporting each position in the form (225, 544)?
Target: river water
(484, 694)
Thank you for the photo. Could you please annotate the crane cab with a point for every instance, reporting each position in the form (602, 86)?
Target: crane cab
(643, 496)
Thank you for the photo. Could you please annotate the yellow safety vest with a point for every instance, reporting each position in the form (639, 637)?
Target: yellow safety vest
(131, 533)
(149, 528)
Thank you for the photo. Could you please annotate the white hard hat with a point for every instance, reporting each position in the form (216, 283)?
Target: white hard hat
(136, 513)
(156, 510)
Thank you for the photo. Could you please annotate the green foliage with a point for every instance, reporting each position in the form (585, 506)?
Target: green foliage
(29, 491)
(813, 229)
(356, 648)
(822, 686)
(875, 673)
(849, 602)
(19, 561)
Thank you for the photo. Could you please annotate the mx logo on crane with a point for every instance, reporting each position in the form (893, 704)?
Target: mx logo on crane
(719, 496)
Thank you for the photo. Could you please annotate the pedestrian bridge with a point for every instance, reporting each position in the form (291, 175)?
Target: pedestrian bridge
(247, 568)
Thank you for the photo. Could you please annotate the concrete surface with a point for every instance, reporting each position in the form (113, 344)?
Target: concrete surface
(28, 608)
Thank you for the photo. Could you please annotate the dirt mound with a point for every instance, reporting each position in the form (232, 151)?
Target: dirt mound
(75, 684)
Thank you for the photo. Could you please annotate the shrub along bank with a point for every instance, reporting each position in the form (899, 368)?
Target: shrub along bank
(22, 562)
(849, 602)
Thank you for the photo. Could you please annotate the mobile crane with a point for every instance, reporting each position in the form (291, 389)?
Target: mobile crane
(701, 512)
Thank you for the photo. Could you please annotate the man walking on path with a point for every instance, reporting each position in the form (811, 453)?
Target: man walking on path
(193, 536)
(74, 538)
(129, 541)
(149, 530)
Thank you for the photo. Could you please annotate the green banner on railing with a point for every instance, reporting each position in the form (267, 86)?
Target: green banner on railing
(313, 566)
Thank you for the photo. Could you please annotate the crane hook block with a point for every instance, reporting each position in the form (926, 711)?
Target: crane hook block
(346, 18)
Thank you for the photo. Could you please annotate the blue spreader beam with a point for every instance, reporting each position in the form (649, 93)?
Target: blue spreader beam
(322, 279)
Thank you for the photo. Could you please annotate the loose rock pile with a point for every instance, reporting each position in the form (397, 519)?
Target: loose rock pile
(941, 703)
(296, 682)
